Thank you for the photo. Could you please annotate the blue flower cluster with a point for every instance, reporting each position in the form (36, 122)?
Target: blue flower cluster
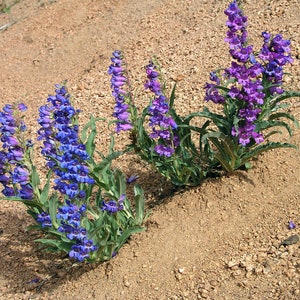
(113, 206)
(118, 79)
(66, 156)
(275, 53)
(70, 216)
(14, 175)
(161, 123)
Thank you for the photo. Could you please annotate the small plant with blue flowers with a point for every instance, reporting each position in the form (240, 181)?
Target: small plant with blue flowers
(82, 208)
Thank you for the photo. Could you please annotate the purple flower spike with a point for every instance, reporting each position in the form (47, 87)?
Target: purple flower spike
(162, 124)
(118, 80)
(70, 216)
(245, 76)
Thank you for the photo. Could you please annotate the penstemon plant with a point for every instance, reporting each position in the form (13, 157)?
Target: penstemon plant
(82, 208)
(159, 136)
(251, 95)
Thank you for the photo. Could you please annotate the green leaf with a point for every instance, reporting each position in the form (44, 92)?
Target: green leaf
(56, 245)
(285, 95)
(53, 203)
(45, 192)
(270, 124)
(263, 148)
(139, 199)
(89, 140)
(172, 97)
(120, 183)
(227, 149)
(106, 162)
(284, 115)
(219, 120)
(126, 234)
(35, 179)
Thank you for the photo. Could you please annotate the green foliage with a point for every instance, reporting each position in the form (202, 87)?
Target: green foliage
(226, 149)
(188, 166)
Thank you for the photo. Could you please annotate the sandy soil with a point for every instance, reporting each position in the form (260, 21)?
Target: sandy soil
(217, 241)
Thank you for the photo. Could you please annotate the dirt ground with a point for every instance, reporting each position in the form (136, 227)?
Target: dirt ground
(216, 241)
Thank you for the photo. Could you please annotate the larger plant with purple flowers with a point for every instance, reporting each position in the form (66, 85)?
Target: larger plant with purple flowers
(250, 93)
(88, 214)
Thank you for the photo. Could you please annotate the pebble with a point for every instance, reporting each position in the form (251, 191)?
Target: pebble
(232, 263)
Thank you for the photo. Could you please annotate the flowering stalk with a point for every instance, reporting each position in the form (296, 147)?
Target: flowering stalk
(78, 221)
(118, 80)
(64, 152)
(245, 73)
(162, 124)
(71, 215)
(275, 54)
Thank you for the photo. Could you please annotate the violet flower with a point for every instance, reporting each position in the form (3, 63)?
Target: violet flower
(113, 206)
(44, 219)
(292, 225)
(275, 53)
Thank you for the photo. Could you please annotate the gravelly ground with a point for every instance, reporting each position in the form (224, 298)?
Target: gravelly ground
(217, 241)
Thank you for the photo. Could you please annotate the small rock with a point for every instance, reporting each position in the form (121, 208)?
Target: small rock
(232, 263)
(258, 270)
(293, 239)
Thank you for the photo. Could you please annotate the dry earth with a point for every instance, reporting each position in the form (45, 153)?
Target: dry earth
(217, 241)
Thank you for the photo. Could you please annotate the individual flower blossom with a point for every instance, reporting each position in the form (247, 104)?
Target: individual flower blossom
(64, 152)
(118, 80)
(292, 225)
(132, 178)
(163, 126)
(20, 175)
(213, 94)
(44, 219)
(26, 192)
(113, 206)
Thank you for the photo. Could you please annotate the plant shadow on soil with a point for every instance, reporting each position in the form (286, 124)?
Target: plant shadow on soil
(30, 267)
